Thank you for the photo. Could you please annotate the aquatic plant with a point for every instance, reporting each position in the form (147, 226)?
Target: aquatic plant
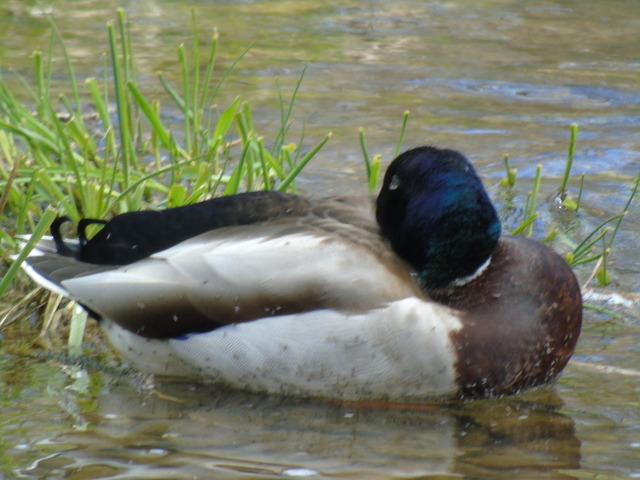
(89, 161)
(596, 245)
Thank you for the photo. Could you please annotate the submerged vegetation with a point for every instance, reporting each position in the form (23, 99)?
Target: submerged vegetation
(117, 152)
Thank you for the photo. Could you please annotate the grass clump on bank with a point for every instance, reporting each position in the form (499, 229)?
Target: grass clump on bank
(119, 155)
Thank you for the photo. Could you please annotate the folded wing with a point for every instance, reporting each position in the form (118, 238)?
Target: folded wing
(242, 273)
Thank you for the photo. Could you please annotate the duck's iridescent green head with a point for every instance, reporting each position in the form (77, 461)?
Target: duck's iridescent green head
(437, 215)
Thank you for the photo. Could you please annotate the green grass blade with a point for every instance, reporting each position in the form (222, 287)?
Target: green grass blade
(186, 97)
(173, 94)
(233, 185)
(525, 225)
(510, 179)
(531, 205)
(195, 84)
(122, 107)
(634, 191)
(141, 181)
(225, 120)
(286, 116)
(374, 175)
(403, 129)
(35, 139)
(301, 164)
(211, 61)
(570, 155)
(266, 177)
(151, 115)
(102, 107)
(41, 228)
(68, 63)
(273, 163)
(225, 75)
(365, 152)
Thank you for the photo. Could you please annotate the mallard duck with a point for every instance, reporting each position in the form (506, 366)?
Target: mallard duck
(412, 296)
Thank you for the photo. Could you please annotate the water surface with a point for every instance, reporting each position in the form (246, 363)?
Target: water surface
(484, 77)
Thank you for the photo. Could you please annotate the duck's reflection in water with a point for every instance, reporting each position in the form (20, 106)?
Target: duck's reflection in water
(182, 431)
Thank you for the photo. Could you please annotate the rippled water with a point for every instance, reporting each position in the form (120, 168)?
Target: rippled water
(485, 77)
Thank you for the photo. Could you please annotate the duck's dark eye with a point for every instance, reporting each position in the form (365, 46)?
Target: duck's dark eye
(394, 183)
